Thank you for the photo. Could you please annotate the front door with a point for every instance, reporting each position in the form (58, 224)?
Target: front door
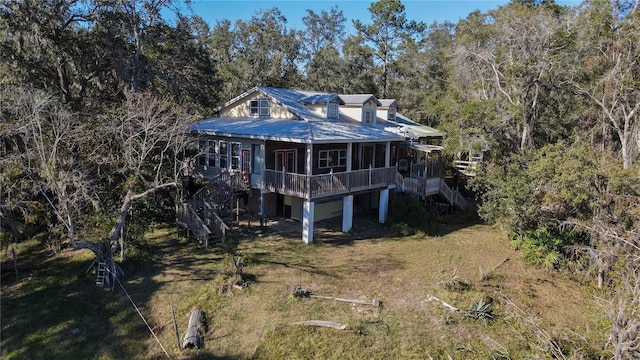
(287, 159)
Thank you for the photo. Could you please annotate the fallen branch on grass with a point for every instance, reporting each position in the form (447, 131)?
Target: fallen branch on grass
(302, 292)
(502, 262)
(317, 323)
(448, 306)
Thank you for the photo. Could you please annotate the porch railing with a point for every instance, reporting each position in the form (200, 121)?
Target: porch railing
(331, 184)
(432, 168)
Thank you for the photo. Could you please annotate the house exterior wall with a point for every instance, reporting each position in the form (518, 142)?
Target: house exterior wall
(270, 154)
(316, 156)
(270, 204)
(356, 112)
(351, 112)
(328, 209)
(204, 168)
(319, 109)
(241, 109)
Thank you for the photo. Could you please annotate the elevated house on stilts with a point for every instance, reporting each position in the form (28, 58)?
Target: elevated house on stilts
(306, 156)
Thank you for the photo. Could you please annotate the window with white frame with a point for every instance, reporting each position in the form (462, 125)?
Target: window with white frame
(332, 158)
(202, 155)
(235, 156)
(332, 110)
(223, 148)
(391, 114)
(259, 107)
(212, 156)
(368, 117)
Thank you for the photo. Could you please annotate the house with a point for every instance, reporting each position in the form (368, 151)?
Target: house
(303, 155)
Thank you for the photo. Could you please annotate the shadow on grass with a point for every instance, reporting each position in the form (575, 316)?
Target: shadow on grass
(56, 311)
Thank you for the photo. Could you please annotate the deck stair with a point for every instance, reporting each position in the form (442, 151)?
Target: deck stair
(467, 168)
(422, 186)
(201, 214)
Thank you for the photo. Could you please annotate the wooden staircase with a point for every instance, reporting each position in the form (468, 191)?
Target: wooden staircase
(430, 186)
(201, 213)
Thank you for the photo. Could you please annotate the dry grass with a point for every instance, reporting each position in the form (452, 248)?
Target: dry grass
(536, 311)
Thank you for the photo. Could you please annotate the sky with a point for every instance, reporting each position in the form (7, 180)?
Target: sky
(427, 11)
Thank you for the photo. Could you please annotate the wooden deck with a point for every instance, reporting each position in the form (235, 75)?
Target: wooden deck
(326, 185)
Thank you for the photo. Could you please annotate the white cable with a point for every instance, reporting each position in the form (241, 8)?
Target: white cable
(141, 316)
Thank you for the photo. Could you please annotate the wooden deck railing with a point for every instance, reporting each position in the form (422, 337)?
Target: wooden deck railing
(189, 218)
(468, 168)
(431, 169)
(325, 185)
(430, 186)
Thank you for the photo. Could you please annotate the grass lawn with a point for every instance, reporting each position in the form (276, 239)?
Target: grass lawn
(55, 311)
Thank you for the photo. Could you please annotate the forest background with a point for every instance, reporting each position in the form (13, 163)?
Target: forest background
(94, 95)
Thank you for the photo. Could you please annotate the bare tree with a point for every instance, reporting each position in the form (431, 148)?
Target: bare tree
(139, 145)
(623, 311)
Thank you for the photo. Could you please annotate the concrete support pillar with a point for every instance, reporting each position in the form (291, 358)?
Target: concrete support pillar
(307, 221)
(383, 209)
(347, 213)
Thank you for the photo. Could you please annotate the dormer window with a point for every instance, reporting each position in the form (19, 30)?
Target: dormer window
(391, 114)
(259, 107)
(332, 110)
(368, 117)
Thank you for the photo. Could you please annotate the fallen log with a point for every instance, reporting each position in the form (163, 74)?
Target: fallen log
(192, 337)
(448, 306)
(317, 323)
(375, 302)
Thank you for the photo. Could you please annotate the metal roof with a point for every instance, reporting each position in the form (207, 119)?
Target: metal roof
(309, 126)
(290, 130)
(358, 99)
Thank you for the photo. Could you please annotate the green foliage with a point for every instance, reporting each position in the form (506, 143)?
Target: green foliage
(480, 310)
(407, 214)
(546, 247)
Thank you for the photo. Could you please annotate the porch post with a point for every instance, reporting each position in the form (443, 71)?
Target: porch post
(308, 164)
(307, 221)
(387, 154)
(384, 206)
(347, 213)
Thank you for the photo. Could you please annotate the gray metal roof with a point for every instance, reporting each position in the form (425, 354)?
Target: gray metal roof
(309, 127)
(403, 125)
(387, 102)
(358, 99)
(299, 131)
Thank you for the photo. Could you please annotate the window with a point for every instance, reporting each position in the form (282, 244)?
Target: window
(391, 114)
(235, 156)
(332, 110)
(223, 150)
(332, 158)
(212, 155)
(202, 155)
(259, 107)
(368, 117)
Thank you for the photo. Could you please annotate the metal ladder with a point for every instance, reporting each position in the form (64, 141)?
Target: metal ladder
(101, 273)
